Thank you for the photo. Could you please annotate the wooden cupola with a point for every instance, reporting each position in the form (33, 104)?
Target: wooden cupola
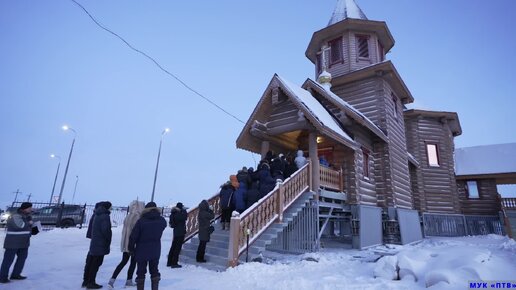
(350, 41)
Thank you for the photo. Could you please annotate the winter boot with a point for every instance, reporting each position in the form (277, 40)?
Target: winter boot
(140, 284)
(111, 283)
(129, 283)
(155, 283)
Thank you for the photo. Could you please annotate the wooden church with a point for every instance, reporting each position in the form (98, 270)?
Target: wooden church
(392, 169)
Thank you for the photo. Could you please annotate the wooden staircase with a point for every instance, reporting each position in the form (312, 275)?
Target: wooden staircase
(266, 224)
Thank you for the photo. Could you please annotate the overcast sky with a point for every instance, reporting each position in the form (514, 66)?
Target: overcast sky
(57, 67)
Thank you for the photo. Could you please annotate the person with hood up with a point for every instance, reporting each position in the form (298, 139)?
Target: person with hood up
(226, 200)
(16, 243)
(177, 221)
(241, 191)
(145, 244)
(204, 218)
(135, 209)
(100, 242)
(300, 160)
(87, 265)
(267, 183)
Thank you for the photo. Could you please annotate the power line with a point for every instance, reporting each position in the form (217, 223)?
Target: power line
(156, 63)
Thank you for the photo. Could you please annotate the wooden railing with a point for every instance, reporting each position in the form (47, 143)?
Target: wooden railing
(331, 179)
(192, 223)
(256, 219)
(509, 203)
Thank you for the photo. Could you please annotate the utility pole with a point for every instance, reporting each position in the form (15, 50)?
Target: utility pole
(16, 196)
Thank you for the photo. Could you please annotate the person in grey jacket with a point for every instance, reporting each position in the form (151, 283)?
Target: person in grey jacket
(204, 218)
(16, 243)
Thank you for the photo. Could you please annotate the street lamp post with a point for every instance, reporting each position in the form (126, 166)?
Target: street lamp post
(66, 128)
(75, 188)
(157, 162)
(55, 179)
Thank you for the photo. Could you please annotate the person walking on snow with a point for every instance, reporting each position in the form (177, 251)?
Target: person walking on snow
(145, 244)
(135, 209)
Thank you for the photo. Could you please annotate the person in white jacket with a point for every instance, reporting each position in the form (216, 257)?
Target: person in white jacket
(300, 159)
(135, 210)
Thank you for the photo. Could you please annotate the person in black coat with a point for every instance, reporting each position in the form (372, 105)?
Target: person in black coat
(226, 197)
(100, 242)
(204, 218)
(253, 194)
(145, 243)
(177, 221)
(87, 265)
(267, 183)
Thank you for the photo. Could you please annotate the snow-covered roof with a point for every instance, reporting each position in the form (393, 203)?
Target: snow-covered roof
(346, 9)
(488, 159)
(317, 110)
(347, 107)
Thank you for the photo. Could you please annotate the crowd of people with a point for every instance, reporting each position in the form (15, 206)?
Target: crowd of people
(140, 242)
(248, 186)
(144, 225)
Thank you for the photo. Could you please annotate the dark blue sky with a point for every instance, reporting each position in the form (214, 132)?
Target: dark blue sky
(57, 67)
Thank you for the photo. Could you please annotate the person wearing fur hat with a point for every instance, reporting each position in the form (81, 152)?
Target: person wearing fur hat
(145, 244)
(16, 243)
(177, 221)
(100, 242)
(135, 209)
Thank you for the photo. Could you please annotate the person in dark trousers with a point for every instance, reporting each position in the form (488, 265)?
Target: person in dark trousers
(145, 243)
(226, 202)
(100, 242)
(177, 221)
(87, 265)
(135, 210)
(204, 218)
(16, 243)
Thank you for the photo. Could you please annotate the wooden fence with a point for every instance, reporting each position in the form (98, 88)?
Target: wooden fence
(331, 179)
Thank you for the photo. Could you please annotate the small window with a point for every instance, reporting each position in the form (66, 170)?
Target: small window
(432, 154)
(472, 189)
(395, 107)
(381, 53)
(365, 153)
(363, 46)
(336, 51)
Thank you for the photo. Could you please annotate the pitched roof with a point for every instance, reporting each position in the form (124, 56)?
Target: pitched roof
(313, 111)
(346, 9)
(345, 107)
(487, 159)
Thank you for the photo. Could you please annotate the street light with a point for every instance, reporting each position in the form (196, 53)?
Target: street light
(75, 188)
(157, 162)
(66, 128)
(55, 179)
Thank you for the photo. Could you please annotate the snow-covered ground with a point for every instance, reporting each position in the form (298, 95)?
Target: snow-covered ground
(56, 261)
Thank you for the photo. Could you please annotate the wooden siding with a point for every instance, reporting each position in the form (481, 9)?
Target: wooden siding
(436, 186)
(372, 97)
(488, 202)
(350, 54)
(355, 61)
